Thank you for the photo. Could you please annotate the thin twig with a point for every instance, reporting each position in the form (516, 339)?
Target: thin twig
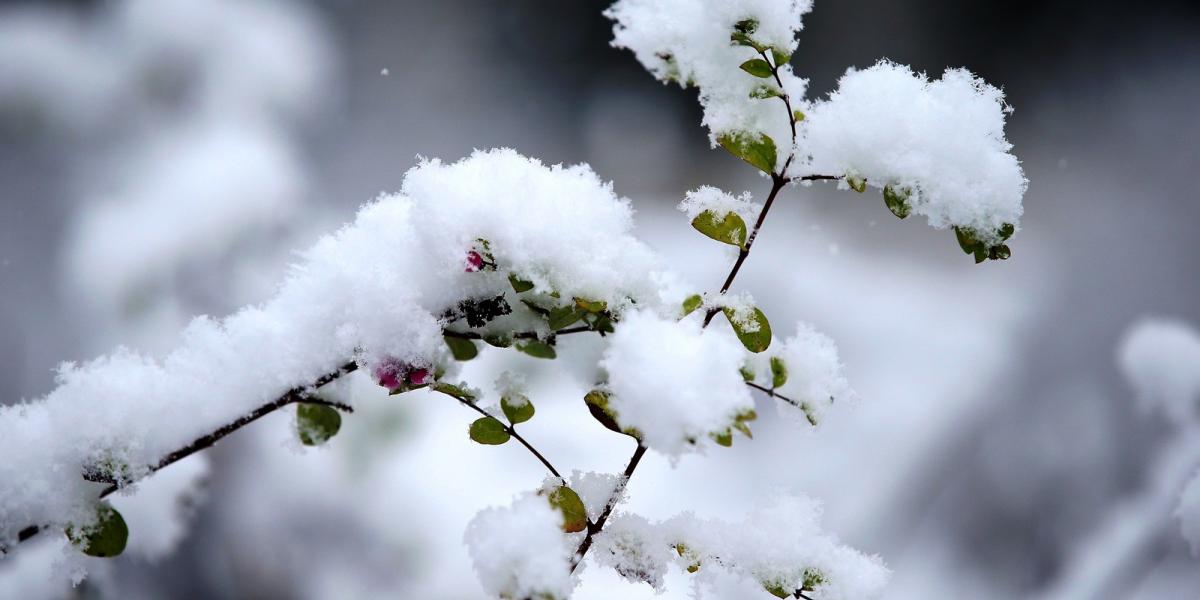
(592, 530)
(512, 431)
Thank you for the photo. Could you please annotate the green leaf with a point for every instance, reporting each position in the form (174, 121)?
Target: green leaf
(741, 34)
(1007, 230)
(757, 67)
(597, 403)
(813, 578)
(537, 349)
(459, 392)
(754, 333)
(489, 431)
(966, 239)
(104, 538)
(756, 149)
(499, 341)
(519, 285)
(744, 428)
(461, 348)
(316, 423)
(779, 372)
(747, 373)
(765, 91)
(797, 115)
(856, 183)
(730, 229)
(517, 408)
(563, 316)
(724, 438)
(897, 201)
(691, 303)
(1000, 252)
(567, 502)
(535, 307)
(780, 57)
(777, 590)
(592, 306)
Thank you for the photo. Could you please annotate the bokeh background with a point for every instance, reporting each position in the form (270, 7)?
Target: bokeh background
(165, 158)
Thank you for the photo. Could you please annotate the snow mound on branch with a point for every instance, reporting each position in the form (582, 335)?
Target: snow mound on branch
(520, 551)
(673, 381)
(375, 290)
(943, 140)
(688, 41)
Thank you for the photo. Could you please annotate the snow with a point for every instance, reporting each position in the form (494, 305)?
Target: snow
(673, 381)
(520, 551)
(943, 140)
(720, 202)
(375, 290)
(815, 379)
(778, 543)
(695, 34)
(1160, 358)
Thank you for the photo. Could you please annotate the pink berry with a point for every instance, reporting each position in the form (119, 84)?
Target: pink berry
(474, 261)
(418, 376)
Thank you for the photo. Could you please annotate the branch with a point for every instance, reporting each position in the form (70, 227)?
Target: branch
(592, 530)
(512, 431)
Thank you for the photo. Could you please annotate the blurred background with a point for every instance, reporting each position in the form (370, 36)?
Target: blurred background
(161, 159)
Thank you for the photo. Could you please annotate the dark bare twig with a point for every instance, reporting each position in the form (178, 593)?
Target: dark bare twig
(592, 530)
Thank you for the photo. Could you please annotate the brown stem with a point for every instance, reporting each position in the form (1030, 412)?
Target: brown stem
(512, 431)
(592, 530)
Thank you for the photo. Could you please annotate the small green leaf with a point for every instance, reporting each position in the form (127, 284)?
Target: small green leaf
(777, 590)
(730, 229)
(1000, 252)
(780, 57)
(747, 373)
(104, 538)
(757, 67)
(897, 201)
(535, 307)
(460, 392)
(519, 285)
(779, 372)
(537, 349)
(1007, 230)
(517, 408)
(797, 115)
(489, 431)
(499, 341)
(813, 578)
(316, 423)
(744, 428)
(756, 149)
(765, 91)
(597, 403)
(691, 303)
(856, 183)
(592, 306)
(754, 333)
(563, 316)
(461, 348)
(966, 239)
(741, 34)
(567, 502)
(724, 438)
(981, 255)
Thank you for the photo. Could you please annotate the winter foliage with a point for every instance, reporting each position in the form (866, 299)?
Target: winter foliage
(499, 252)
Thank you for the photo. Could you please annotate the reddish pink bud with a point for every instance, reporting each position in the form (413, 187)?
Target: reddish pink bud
(418, 376)
(474, 261)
